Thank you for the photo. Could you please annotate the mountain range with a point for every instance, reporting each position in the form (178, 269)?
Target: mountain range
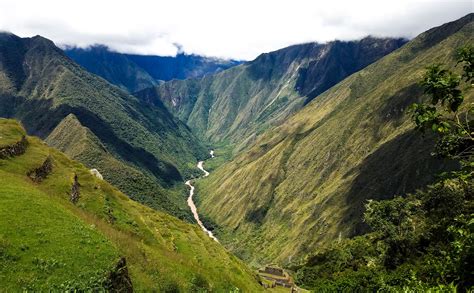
(136, 72)
(304, 183)
(235, 105)
(96, 146)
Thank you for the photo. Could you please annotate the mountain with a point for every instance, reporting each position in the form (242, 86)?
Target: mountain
(141, 149)
(304, 183)
(136, 72)
(64, 229)
(235, 105)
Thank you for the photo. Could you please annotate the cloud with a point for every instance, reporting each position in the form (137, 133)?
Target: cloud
(239, 29)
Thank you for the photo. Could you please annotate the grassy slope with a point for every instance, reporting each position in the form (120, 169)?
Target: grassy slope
(304, 183)
(45, 241)
(237, 104)
(148, 139)
(79, 143)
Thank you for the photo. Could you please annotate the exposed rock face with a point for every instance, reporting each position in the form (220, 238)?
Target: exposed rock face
(15, 149)
(40, 173)
(96, 173)
(75, 190)
(119, 279)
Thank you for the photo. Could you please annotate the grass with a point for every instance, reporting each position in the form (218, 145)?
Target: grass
(79, 143)
(11, 134)
(303, 184)
(223, 153)
(47, 242)
(44, 246)
(237, 104)
(140, 140)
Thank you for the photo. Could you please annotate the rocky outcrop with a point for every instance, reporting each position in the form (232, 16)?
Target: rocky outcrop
(119, 280)
(40, 173)
(75, 190)
(96, 173)
(15, 149)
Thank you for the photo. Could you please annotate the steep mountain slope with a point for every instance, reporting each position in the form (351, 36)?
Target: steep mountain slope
(114, 67)
(79, 143)
(304, 183)
(41, 86)
(137, 72)
(236, 104)
(104, 240)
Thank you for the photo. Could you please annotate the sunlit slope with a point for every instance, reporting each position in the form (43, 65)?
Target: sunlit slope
(47, 242)
(41, 86)
(304, 183)
(80, 144)
(237, 104)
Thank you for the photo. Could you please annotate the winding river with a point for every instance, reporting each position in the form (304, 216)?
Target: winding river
(191, 204)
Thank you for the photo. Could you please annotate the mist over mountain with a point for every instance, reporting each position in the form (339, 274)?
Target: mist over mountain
(235, 105)
(304, 183)
(136, 72)
(344, 166)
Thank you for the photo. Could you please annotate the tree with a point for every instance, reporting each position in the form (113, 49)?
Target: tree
(447, 114)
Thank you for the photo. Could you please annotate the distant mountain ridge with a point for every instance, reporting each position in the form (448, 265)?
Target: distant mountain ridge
(136, 72)
(235, 105)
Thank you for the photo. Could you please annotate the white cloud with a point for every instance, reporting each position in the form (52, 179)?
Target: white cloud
(239, 29)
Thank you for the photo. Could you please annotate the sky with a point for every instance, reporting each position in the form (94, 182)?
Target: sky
(238, 29)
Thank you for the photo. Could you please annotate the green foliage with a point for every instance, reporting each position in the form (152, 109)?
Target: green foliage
(236, 104)
(445, 114)
(49, 244)
(442, 86)
(308, 178)
(139, 147)
(419, 242)
(466, 56)
(426, 239)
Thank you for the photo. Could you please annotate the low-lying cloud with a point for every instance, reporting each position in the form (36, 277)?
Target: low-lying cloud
(239, 29)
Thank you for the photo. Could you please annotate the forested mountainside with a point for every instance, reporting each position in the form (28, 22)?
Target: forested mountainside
(136, 72)
(304, 183)
(140, 148)
(237, 104)
(64, 229)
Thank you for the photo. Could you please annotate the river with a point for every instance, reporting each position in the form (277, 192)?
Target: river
(191, 204)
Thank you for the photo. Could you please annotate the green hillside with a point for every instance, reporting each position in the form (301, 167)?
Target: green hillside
(235, 105)
(423, 241)
(304, 183)
(114, 67)
(41, 87)
(80, 144)
(49, 243)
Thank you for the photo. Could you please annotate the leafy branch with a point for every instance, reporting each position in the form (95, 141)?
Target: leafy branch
(447, 114)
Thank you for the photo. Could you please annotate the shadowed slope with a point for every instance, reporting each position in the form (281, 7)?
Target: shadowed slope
(237, 104)
(136, 72)
(304, 183)
(41, 86)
